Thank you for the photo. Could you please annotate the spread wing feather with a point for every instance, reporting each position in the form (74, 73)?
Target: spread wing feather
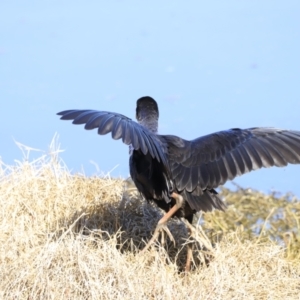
(211, 160)
(120, 127)
(198, 166)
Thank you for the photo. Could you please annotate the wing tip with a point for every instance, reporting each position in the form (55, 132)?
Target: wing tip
(64, 113)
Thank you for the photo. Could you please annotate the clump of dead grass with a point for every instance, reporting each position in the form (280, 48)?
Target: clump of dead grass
(68, 236)
(258, 216)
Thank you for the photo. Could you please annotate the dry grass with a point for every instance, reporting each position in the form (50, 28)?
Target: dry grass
(67, 236)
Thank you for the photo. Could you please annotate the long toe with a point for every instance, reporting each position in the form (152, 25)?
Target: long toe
(199, 235)
(161, 228)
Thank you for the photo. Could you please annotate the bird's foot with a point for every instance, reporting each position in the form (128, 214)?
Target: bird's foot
(162, 224)
(161, 228)
(199, 235)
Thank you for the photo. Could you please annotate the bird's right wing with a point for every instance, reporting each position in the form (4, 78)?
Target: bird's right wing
(120, 127)
(211, 160)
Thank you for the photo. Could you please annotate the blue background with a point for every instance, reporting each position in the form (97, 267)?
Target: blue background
(211, 65)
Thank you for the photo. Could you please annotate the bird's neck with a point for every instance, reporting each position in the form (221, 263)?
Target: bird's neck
(150, 123)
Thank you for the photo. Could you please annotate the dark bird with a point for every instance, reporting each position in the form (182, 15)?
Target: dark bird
(180, 176)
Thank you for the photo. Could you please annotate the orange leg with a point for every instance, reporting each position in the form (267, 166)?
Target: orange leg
(200, 236)
(189, 254)
(162, 223)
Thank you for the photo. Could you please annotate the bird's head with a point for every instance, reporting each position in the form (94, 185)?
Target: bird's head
(147, 113)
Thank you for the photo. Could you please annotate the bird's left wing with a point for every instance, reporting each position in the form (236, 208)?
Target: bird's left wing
(120, 127)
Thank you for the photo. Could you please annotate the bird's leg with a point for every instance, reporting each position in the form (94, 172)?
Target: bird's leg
(162, 223)
(201, 237)
(189, 254)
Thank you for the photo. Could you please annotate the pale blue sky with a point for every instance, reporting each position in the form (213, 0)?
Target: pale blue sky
(211, 65)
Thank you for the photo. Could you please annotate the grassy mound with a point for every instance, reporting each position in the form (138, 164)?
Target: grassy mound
(67, 236)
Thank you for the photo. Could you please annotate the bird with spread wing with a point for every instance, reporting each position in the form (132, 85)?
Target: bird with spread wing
(180, 176)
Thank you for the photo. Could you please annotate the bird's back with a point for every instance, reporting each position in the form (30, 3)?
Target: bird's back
(150, 176)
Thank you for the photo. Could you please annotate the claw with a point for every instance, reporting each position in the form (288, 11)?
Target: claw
(162, 224)
(161, 228)
(198, 234)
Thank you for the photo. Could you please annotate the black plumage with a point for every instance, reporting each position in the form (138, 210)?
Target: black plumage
(173, 172)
